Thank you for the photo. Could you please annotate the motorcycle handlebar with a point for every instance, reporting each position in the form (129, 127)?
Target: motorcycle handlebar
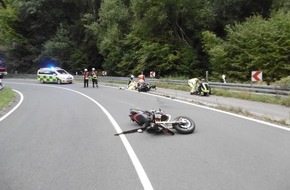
(150, 111)
(154, 111)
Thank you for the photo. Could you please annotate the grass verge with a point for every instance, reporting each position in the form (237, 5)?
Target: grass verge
(6, 97)
(272, 99)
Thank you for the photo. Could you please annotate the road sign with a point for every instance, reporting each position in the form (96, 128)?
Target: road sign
(257, 75)
(104, 73)
(152, 74)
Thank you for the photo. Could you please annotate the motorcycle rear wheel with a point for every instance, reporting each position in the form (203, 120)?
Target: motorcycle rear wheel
(186, 128)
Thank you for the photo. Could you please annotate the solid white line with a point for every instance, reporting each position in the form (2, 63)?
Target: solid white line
(228, 113)
(18, 104)
(208, 108)
(140, 171)
(138, 167)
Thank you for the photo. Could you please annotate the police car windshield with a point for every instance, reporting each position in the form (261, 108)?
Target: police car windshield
(61, 71)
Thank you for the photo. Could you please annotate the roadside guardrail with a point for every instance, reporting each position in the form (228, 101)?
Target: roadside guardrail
(265, 89)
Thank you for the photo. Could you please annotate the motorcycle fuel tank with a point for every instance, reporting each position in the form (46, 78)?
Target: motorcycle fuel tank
(140, 118)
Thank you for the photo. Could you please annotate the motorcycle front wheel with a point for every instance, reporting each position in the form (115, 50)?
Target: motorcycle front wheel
(186, 127)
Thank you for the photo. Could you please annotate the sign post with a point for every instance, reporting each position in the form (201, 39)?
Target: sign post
(224, 78)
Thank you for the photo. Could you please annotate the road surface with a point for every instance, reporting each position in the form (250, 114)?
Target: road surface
(62, 137)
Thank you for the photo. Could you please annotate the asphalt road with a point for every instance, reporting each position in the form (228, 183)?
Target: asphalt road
(263, 111)
(61, 137)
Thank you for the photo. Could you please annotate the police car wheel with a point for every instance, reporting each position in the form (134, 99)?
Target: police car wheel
(42, 81)
(58, 81)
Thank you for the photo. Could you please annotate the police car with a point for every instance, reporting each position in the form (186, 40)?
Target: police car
(54, 75)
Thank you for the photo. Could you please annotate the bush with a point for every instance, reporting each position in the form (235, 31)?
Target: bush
(256, 44)
(283, 83)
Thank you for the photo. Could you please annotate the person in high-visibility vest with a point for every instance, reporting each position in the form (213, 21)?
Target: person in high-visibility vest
(193, 83)
(86, 78)
(132, 86)
(94, 75)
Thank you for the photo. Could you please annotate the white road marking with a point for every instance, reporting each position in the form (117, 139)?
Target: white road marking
(138, 166)
(15, 107)
(217, 110)
(229, 113)
(204, 107)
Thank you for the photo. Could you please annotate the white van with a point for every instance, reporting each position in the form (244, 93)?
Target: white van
(54, 75)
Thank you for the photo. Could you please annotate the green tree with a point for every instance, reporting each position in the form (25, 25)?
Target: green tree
(115, 35)
(38, 23)
(8, 17)
(227, 12)
(281, 5)
(111, 28)
(256, 44)
(59, 47)
(159, 39)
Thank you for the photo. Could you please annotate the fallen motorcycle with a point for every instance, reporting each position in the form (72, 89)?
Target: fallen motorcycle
(159, 121)
(145, 87)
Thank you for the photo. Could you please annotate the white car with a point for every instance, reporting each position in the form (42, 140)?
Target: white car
(54, 75)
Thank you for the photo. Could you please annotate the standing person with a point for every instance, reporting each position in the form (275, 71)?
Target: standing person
(94, 75)
(141, 78)
(193, 83)
(86, 78)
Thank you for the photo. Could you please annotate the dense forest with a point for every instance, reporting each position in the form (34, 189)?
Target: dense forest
(174, 38)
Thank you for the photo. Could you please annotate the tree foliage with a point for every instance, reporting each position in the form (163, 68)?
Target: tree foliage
(8, 17)
(170, 37)
(256, 44)
(109, 30)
